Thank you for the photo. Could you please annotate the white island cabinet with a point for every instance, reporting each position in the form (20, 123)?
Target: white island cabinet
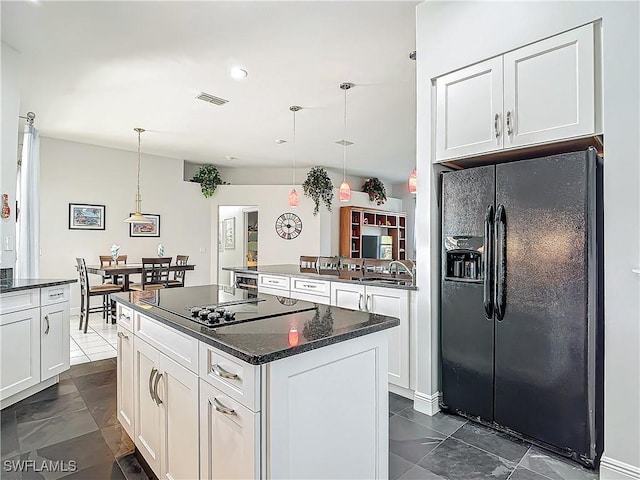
(34, 339)
(321, 413)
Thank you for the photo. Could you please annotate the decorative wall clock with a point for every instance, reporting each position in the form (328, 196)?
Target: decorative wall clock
(288, 226)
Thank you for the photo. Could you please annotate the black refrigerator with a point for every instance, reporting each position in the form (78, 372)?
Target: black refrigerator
(521, 300)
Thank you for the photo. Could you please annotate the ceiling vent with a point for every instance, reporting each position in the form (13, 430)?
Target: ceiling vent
(211, 99)
(344, 143)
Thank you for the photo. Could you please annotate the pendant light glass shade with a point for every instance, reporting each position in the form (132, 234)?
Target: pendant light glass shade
(344, 193)
(413, 181)
(138, 217)
(294, 200)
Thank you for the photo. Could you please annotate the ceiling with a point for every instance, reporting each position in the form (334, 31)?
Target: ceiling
(92, 71)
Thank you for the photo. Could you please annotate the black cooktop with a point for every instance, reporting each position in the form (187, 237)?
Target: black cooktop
(217, 305)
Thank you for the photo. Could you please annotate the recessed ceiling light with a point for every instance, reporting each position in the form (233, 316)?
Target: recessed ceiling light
(238, 73)
(280, 141)
(229, 157)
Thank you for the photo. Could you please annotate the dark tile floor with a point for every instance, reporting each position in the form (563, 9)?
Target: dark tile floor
(449, 447)
(75, 422)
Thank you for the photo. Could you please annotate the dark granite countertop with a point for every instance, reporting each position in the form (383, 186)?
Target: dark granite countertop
(268, 338)
(13, 285)
(294, 270)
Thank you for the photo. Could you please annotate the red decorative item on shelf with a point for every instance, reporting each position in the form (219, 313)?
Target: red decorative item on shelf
(6, 210)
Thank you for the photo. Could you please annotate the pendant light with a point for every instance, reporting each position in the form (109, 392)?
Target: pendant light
(413, 180)
(293, 195)
(138, 217)
(344, 193)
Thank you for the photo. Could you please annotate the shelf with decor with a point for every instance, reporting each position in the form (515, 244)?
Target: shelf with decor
(355, 221)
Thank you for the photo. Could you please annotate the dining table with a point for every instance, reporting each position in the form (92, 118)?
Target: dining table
(125, 270)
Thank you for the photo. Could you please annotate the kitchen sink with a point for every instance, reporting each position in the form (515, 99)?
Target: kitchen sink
(386, 281)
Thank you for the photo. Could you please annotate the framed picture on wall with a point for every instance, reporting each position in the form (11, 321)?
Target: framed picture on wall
(229, 233)
(84, 216)
(146, 229)
(220, 237)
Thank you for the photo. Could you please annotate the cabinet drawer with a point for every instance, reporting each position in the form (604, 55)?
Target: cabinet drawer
(55, 294)
(314, 287)
(178, 346)
(21, 300)
(238, 379)
(125, 316)
(277, 282)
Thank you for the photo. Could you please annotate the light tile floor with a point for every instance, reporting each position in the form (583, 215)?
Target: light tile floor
(98, 343)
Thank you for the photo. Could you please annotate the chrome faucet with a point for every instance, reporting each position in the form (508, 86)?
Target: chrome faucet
(404, 267)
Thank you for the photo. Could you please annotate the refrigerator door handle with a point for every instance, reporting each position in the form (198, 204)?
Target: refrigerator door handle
(501, 262)
(487, 262)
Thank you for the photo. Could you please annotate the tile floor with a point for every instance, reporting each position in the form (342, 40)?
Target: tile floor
(100, 341)
(73, 421)
(76, 420)
(449, 447)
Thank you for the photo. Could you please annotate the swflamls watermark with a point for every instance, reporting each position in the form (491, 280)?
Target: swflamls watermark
(39, 466)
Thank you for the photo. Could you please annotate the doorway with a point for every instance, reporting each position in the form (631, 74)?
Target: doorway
(237, 239)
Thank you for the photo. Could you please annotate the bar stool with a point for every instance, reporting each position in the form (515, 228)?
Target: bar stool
(328, 265)
(308, 264)
(155, 274)
(87, 291)
(178, 275)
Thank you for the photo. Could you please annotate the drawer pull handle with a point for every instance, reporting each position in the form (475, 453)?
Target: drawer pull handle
(122, 315)
(221, 372)
(221, 408)
(122, 335)
(56, 295)
(310, 286)
(155, 389)
(46, 319)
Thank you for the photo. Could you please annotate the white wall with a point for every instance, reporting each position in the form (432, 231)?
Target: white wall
(236, 256)
(79, 173)
(10, 99)
(451, 35)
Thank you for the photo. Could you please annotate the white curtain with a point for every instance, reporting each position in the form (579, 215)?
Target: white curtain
(28, 196)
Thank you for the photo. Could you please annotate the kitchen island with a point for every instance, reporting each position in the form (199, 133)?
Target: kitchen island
(254, 386)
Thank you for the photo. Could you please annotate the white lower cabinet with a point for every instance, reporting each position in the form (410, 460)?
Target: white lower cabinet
(125, 395)
(166, 413)
(54, 340)
(392, 302)
(19, 351)
(229, 437)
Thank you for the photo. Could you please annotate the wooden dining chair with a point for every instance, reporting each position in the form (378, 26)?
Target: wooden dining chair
(178, 275)
(308, 264)
(107, 260)
(328, 265)
(87, 291)
(155, 274)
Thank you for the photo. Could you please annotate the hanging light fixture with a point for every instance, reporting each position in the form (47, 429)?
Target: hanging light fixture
(344, 193)
(293, 195)
(138, 217)
(413, 180)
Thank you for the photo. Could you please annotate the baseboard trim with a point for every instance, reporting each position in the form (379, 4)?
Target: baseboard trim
(27, 392)
(403, 392)
(74, 311)
(427, 404)
(617, 468)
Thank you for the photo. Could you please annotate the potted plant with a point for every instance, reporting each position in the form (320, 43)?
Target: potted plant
(318, 186)
(209, 178)
(375, 188)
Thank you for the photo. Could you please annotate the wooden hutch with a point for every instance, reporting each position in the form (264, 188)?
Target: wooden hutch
(352, 221)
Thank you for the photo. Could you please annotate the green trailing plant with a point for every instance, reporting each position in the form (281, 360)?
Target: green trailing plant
(319, 187)
(375, 189)
(209, 178)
